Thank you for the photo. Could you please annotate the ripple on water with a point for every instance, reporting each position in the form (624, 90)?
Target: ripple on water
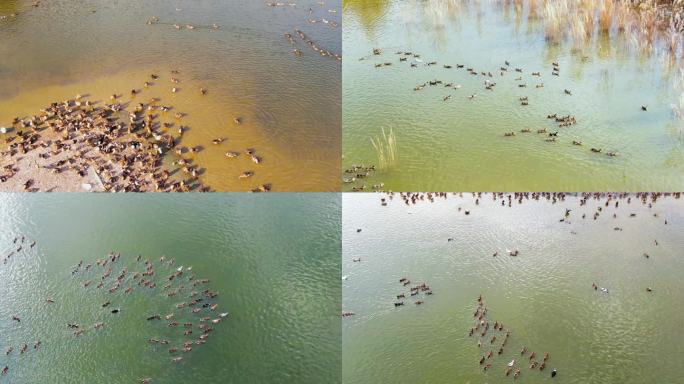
(543, 296)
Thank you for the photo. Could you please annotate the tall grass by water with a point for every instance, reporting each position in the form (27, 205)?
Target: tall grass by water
(653, 26)
(386, 149)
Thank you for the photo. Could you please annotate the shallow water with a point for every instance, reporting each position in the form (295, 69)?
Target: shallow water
(460, 145)
(290, 105)
(274, 259)
(544, 295)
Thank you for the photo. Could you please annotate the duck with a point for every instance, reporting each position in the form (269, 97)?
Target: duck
(246, 174)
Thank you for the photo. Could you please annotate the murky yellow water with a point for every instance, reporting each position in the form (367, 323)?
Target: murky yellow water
(290, 106)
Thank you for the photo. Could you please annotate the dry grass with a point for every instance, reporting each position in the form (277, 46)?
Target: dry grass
(386, 149)
(651, 25)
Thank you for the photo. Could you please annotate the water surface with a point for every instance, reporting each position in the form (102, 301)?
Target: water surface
(459, 144)
(290, 105)
(274, 259)
(544, 296)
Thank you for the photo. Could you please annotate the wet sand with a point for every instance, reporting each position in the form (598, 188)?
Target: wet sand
(200, 125)
(236, 50)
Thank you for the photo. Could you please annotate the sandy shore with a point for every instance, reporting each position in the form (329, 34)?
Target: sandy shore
(78, 145)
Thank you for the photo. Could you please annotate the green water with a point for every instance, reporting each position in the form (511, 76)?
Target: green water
(460, 145)
(274, 259)
(544, 295)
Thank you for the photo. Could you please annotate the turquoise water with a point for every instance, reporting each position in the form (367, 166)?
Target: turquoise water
(273, 259)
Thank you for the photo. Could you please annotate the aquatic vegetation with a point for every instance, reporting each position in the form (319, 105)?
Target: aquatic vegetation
(386, 149)
(651, 26)
(503, 67)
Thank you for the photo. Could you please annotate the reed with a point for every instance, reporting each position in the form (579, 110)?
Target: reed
(386, 149)
(606, 16)
(651, 25)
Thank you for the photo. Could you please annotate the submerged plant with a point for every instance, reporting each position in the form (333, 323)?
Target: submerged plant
(386, 149)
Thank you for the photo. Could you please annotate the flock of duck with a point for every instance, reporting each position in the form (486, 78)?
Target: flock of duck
(507, 199)
(186, 326)
(303, 37)
(415, 60)
(493, 338)
(122, 143)
(358, 172)
(418, 292)
(20, 243)
(195, 312)
(609, 200)
(310, 43)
